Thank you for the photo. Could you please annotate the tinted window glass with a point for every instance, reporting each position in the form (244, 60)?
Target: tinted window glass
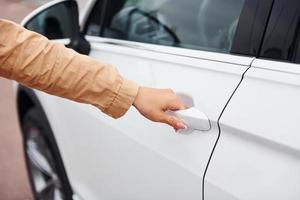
(281, 34)
(196, 24)
(297, 54)
(54, 23)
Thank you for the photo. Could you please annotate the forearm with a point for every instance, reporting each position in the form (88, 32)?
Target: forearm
(32, 60)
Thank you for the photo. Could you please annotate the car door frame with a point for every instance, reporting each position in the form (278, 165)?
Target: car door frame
(284, 63)
(247, 41)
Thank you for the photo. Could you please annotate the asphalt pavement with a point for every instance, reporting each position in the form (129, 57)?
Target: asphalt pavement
(14, 184)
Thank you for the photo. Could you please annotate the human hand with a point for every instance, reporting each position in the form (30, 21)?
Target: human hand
(154, 103)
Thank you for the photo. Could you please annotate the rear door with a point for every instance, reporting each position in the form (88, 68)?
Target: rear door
(183, 45)
(258, 153)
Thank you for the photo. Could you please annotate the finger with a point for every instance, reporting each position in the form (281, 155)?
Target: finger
(180, 126)
(170, 91)
(176, 105)
(173, 121)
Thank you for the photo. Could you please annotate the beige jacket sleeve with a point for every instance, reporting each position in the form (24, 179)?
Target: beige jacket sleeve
(32, 60)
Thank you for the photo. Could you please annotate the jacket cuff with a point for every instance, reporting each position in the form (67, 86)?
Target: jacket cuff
(123, 100)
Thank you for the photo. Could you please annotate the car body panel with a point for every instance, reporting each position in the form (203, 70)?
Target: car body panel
(133, 158)
(257, 156)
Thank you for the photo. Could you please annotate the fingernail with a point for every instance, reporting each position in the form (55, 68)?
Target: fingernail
(181, 125)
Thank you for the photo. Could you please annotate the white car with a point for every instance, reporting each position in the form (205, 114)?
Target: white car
(235, 61)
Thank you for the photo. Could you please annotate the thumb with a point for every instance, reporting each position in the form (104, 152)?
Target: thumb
(173, 121)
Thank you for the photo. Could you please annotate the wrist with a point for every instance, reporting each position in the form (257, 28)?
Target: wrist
(136, 97)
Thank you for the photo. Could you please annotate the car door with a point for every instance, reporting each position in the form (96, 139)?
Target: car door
(257, 155)
(133, 158)
(185, 46)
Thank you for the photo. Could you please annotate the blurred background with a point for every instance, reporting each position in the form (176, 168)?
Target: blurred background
(14, 183)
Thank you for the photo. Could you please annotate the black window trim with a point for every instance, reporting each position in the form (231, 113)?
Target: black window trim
(102, 14)
(248, 39)
(293, 49)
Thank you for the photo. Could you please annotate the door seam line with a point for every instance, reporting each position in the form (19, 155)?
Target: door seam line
(219, 129)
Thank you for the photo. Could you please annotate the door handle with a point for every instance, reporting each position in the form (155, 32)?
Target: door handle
(194, 119)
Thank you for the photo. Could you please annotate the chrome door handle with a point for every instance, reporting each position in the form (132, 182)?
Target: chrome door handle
(194, 119)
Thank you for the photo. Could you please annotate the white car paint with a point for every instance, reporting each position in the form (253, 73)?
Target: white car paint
(138, 158)
(257, 156)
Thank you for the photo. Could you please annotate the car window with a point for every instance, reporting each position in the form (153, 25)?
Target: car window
(297, 54)
(195, 24)
(51, 24)
(280, 39)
